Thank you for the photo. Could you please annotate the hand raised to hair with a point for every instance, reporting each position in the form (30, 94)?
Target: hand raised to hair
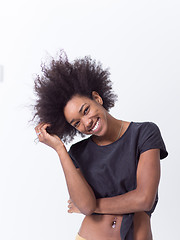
(51, 140)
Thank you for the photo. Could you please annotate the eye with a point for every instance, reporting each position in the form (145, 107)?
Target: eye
(76, 124)
(86, 110)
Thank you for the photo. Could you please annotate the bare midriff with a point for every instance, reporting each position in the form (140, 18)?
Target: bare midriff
(99, 227)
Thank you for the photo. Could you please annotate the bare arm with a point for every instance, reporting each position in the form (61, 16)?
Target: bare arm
(142, 198)
(79, 190)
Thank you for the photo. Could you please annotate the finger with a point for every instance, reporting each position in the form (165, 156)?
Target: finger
(41, 128)
(46, 125)
(69, 211)
(38, 132)
(43, 131)
(38, 127)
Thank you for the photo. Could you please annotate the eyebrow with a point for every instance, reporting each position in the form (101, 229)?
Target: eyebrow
(80, 110)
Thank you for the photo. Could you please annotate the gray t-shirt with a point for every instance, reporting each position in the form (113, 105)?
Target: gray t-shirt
(111, 170)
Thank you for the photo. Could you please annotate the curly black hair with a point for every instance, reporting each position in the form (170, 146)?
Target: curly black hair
(60, 81)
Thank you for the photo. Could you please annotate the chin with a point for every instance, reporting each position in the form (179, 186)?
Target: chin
(101, 133)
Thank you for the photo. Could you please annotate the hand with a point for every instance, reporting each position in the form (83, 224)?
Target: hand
(72, 207)
(51, 140)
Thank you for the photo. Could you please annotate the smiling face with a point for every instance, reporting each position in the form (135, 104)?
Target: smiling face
(87, 115)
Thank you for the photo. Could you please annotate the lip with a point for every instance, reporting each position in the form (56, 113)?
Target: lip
(96, 130)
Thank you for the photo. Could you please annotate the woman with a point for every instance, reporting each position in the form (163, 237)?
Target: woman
(113, 175)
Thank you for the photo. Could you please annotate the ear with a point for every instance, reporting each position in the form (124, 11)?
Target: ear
(97, 97)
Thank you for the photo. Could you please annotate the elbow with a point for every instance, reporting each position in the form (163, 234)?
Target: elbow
(146, 203)
(88, 211)
(89, 208)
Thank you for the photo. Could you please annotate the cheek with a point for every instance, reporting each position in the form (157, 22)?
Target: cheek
(81, 129)
(103, 115)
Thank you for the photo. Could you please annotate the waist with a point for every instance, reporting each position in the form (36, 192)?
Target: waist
(101, 226)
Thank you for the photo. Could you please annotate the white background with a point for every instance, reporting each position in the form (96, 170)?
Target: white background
(139, 41)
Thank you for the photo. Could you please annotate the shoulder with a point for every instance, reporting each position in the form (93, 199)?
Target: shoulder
(145, 125)
(141, 129)
(149, 137)
(78, 146)
(144, 129)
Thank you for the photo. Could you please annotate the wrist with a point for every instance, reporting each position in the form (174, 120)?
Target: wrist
(60, 149)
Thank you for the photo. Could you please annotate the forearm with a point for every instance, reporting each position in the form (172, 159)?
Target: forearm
(79, 190)
(133, 201)
(143, 197)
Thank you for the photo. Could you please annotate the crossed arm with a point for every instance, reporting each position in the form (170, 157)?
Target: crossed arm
(140, 199)
(81, 194)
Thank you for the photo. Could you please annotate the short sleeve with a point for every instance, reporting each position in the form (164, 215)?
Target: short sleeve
(72, 157)
(150, 138)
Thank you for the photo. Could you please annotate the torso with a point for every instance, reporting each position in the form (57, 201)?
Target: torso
(99, 227)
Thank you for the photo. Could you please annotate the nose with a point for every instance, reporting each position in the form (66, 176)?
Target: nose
(87, 122)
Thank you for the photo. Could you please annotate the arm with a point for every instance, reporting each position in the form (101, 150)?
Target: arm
(142, 198)
(72, 208)
(79, 190)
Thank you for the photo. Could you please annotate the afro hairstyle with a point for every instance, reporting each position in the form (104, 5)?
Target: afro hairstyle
(59, 82)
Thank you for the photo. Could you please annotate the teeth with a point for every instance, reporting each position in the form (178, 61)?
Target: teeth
(95, 127)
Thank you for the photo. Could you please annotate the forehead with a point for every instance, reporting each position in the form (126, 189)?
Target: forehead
(77, 100)
(73, 106)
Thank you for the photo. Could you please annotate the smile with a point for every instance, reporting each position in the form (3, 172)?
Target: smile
(95, 128)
